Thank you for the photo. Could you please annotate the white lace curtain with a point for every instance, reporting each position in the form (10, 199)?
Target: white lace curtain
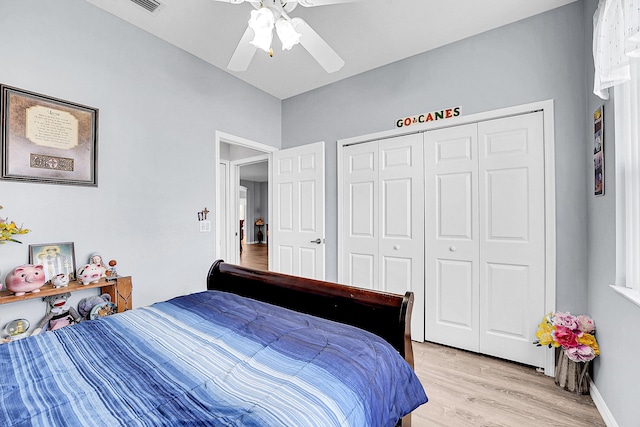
(616, 55)
(616, 43)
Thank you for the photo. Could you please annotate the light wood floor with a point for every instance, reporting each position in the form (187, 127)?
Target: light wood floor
(255, 256)
(467, 389)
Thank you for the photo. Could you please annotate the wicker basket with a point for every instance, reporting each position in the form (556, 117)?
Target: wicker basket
(572, 376)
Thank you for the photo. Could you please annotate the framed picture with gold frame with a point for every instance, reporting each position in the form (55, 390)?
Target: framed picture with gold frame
(47, 140)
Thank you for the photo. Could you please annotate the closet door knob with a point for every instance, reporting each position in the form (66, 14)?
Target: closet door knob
(452, 248)
(396, 247)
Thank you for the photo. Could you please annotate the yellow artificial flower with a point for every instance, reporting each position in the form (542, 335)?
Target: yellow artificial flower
(8, 229)
(589, 340)
(544, 334)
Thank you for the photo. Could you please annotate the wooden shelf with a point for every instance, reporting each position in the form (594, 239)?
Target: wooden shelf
(119, 289)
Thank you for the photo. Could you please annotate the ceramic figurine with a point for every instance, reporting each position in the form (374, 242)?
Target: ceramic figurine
(96, 258)
(60, 280)
(90, 273)
(25, 278)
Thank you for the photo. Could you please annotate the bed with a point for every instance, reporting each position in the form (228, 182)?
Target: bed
(256, 349)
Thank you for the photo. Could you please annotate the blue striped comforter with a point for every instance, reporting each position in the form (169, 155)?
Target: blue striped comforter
(209, 358)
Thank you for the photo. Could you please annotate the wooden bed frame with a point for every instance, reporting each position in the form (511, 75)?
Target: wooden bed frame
(384, 314)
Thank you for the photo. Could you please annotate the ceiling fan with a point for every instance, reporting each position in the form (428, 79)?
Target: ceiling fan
(270, 14)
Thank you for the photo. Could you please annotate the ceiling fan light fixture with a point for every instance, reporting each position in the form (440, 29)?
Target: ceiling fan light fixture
(262, 22)
(287, 34)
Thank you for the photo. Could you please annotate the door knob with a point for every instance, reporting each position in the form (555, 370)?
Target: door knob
(452, 248)
(317, 241)
(396, 247)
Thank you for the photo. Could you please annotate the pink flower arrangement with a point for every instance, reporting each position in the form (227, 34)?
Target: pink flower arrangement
(576, 334)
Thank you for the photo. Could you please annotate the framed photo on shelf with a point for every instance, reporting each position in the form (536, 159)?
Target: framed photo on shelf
(598, 152)
(56, 258)
(47, 140)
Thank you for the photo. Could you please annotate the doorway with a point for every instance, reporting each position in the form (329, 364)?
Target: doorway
(295, 238)
(254, 215)
(240, 159)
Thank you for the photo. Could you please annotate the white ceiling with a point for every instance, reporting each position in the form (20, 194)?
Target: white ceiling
(366, 34)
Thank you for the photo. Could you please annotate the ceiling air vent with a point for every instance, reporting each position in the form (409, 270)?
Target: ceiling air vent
(149, 5)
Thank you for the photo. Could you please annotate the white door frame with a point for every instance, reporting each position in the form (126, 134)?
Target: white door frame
(546, 106)
(232, 210)
(222, 247)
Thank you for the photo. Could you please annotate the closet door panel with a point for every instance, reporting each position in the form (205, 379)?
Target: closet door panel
(360, 216)
(362, 268)
(451, 259)
(512, 236)
(401, 240)
(454, 281)
(397, 273)
(507, 289)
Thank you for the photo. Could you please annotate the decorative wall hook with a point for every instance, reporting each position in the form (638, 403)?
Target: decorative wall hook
(202, 215)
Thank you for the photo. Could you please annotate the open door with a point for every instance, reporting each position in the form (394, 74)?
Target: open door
(298, 219)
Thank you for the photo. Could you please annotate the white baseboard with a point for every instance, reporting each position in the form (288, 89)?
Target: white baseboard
(606, 415)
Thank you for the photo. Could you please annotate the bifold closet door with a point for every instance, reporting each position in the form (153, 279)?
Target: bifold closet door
(452, 237)
(512, 236)
(485, 272)
(360, 216)
(383, 208)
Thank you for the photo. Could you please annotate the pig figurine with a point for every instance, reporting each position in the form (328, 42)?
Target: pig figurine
(25, 278)
(60, 280)
(90, 273)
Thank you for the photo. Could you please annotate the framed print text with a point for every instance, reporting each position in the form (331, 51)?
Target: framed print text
(48, 140)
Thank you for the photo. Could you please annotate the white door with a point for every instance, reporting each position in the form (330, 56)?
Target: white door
(451, 235)
(485, 236)
(298, 211)
(383, 217)
(512, 236)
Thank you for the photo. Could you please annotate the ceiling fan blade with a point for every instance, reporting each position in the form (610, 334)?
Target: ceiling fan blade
(311, 3)
(317, 47)
(244, 52)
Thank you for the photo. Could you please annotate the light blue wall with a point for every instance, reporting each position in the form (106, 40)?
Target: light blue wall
(159, 110)
(616, 372)
(535, 59)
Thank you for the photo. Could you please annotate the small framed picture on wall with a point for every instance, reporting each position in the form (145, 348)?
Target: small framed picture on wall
(598, 151)
(56, 258)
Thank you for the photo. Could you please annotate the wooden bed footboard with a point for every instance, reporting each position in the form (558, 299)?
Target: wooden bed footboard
(384, 314)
